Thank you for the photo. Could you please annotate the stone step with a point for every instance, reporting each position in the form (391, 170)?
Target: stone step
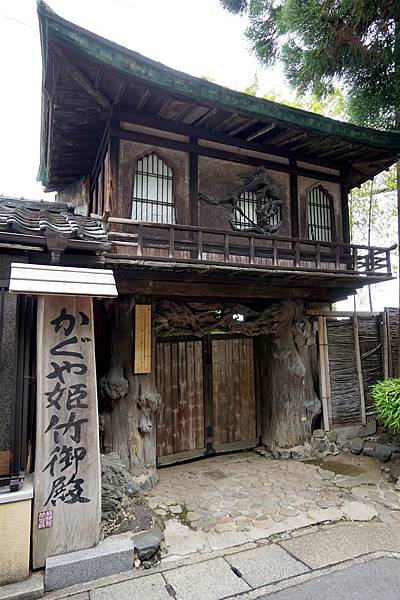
(109, 557)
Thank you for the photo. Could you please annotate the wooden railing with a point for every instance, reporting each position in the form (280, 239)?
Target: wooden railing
(188, 244)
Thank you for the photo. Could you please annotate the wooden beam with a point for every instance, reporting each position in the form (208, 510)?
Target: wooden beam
(120, 92)
(344, 204)
(311, 312)
(194, 185)
(184, 112)
(209, 113)
(168, 100)
(242, 127)
(322, 342)
(261, 132)
(221, 154)
(359, 368)
(143, 99)
(198, 289)
(81, 78)
(115, 204)
(218, 136)
(294, 203)
(227, 121)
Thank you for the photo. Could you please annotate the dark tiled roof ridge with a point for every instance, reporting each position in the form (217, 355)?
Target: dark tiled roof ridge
(36, 217)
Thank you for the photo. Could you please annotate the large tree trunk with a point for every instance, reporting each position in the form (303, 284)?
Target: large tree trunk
(292, 403)
(133, 399)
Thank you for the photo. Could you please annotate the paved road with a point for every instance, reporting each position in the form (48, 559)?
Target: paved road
(376, 579)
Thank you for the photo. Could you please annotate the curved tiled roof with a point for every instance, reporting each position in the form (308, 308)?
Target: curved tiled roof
(35, 217)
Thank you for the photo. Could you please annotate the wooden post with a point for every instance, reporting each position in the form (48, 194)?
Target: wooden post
(385, 345)
(328, 372)
(67, 503)
(389, 342)
(344, 201)
(294, 203)
(359, 368)
(322, 370)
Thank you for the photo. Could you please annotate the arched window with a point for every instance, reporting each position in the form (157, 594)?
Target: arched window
(320, 215)
(153, 191)
(250, 212)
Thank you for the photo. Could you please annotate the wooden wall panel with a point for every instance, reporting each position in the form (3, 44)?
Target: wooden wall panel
(233, 390)
(180, 419)
(345, 392)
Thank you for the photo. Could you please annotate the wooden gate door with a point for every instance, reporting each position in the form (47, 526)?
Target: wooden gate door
(180, 419)
(208, 393)
(233, 394)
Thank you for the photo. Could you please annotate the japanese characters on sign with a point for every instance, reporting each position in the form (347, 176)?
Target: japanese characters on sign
(67, 501)
(68, 449)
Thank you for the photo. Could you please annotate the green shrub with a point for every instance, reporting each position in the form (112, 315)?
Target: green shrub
(386, 396)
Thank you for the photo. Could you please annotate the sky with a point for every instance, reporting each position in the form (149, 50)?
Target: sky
(194, 36)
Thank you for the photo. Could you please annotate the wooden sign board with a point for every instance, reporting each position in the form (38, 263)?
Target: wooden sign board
(67, 500)
(142, 338)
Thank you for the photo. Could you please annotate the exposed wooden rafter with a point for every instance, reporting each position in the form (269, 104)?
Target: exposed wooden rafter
(242, 127)
(81, 78)
(261, 131)
(120, 92)
(143, 99)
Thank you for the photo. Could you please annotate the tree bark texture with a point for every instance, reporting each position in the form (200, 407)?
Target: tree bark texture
(131, 400)
(291, 404)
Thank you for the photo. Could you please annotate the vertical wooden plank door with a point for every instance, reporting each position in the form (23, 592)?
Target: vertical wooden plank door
(233, 394)
(180, 419)
(205, 382)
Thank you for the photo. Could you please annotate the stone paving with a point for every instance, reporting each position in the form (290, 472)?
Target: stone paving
(229, 500)
(324, 562)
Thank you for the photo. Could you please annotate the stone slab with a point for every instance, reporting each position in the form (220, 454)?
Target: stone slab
(266, 565)
(358, 511)
(107, 558)
(209, 580)
(356, 431)
(82, 596)
(24, 590)
(369, 581)
(151, 587)
(147, 543)
(343, 542)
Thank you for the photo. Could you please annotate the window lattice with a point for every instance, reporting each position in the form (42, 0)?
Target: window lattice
(247, 202)
(320, 215)
(153, 191)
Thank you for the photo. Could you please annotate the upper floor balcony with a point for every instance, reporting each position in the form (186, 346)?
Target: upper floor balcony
(163, 247)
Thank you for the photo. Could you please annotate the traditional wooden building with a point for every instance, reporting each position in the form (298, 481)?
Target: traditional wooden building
(225, 221)
(227, 217)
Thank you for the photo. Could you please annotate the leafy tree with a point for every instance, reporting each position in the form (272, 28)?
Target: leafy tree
(322, 41)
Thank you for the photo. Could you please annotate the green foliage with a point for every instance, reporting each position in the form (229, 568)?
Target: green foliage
(322, 42)
(386, 396)
(252, 89)
(235, 6)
